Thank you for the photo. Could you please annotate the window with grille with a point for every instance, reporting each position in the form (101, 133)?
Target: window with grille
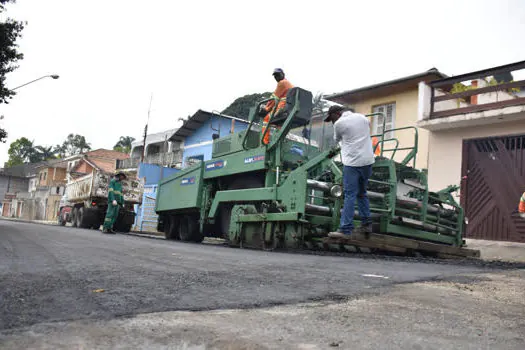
(389, 112)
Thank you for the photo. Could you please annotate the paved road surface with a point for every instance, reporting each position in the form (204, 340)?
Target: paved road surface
(50, 273)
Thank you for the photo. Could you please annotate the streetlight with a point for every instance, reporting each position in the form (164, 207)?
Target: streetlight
(54, 76)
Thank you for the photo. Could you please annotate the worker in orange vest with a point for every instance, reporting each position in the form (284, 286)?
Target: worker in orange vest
(521, 207)
(283, 85)
(377, 150)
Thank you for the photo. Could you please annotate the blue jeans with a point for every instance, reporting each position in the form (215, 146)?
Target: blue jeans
(355, 181)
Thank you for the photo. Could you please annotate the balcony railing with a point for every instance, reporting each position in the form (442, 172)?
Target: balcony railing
(169, 159)
(483, 90)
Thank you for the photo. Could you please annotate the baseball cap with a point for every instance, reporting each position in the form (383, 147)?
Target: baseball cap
(277, 70)
(333, 109)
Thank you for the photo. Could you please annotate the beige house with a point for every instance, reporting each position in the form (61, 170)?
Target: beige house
(398, 101)
(477, 141)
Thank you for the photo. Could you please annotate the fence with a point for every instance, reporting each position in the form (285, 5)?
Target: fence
(458, 98)
(146, 220)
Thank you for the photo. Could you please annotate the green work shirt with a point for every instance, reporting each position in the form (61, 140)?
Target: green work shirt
(115, 192)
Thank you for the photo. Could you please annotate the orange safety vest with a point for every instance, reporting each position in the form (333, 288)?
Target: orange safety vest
(521, 207)
(377, 151)
(280, 93)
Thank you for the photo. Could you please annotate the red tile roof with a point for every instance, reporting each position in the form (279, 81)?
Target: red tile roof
(106, 153)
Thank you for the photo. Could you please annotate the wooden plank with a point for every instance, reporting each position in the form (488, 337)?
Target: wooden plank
(364, 243)
(482, 90)
(478, 108)
(402, 245)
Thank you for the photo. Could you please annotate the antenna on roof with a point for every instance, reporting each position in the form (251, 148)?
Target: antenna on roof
(146, 130)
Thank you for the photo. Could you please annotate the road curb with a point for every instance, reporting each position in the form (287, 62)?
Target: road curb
(36, 222)
(142, 235)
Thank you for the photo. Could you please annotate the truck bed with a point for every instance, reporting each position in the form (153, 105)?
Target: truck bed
(96, 186)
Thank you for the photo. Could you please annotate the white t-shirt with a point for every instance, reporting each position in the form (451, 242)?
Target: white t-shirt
(352, 132)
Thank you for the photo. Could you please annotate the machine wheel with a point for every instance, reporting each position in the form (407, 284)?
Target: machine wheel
(74, 214)
(226, 209)
(83, 218)
(61, 220)
(123, 227)
(171, 228)
(189, 229)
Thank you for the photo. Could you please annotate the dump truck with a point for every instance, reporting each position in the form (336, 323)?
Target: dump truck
(85, 201)
(288, 193)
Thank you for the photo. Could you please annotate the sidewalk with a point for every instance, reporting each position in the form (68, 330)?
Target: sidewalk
(498, 250)
(42, 222)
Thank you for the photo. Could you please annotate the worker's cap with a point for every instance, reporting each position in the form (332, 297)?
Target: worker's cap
(332, 110)
(277, 70)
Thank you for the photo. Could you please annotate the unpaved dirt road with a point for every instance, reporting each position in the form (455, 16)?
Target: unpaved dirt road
(69, 288)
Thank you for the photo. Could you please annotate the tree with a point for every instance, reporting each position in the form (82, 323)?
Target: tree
(20, 151)
(240, 108)
(124, 144)
(74, 144)
(44, 153)
(10, 30)
(3, 135)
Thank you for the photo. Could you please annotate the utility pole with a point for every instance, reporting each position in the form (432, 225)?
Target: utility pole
(146, 131)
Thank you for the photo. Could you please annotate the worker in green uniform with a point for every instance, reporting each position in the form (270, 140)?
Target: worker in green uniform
(115, 201)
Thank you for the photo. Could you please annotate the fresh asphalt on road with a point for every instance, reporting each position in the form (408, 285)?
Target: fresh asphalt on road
(52, 273)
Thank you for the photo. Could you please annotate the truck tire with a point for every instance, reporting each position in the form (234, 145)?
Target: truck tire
(74, 214)
(84, 218)
(99, 215)
(61, 220)
(189, 229)
(171, 228)
(226, 209)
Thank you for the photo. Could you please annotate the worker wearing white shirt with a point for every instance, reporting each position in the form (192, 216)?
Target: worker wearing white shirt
(352, 132)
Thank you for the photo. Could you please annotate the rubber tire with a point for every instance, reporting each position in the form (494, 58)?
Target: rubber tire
(120, 226)
(189, 229)
(98, 218)
(123, 228)
(84, 218)
(61, 222)
(171, 228)
(74, 214)
(226, 209)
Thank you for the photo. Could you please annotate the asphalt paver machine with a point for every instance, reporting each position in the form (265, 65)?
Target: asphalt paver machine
(288, 193)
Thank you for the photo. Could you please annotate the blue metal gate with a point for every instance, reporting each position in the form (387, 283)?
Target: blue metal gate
(147, 218)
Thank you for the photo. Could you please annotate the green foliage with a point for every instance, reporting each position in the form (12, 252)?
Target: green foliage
(3, 135)
(124, 144)
(74, 144)
(23, 150)
(240, 108)
(44, 153)
(493, 82)
(10, 31)
(20, 152)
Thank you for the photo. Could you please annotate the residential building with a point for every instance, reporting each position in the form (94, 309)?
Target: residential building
(477, 142)
(101, 159)
(14, 184)
(398, 101)
(196, 134)
(44, 202)
(159, 150)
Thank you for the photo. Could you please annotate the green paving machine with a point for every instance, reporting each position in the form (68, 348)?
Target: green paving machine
(288, 193)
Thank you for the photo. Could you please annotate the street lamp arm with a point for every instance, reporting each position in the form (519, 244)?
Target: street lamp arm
(54, 76)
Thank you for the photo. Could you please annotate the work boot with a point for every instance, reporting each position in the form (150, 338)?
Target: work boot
(364, 229)
(339, 234)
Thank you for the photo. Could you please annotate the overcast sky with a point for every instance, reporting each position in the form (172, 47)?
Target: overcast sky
(111, 55)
